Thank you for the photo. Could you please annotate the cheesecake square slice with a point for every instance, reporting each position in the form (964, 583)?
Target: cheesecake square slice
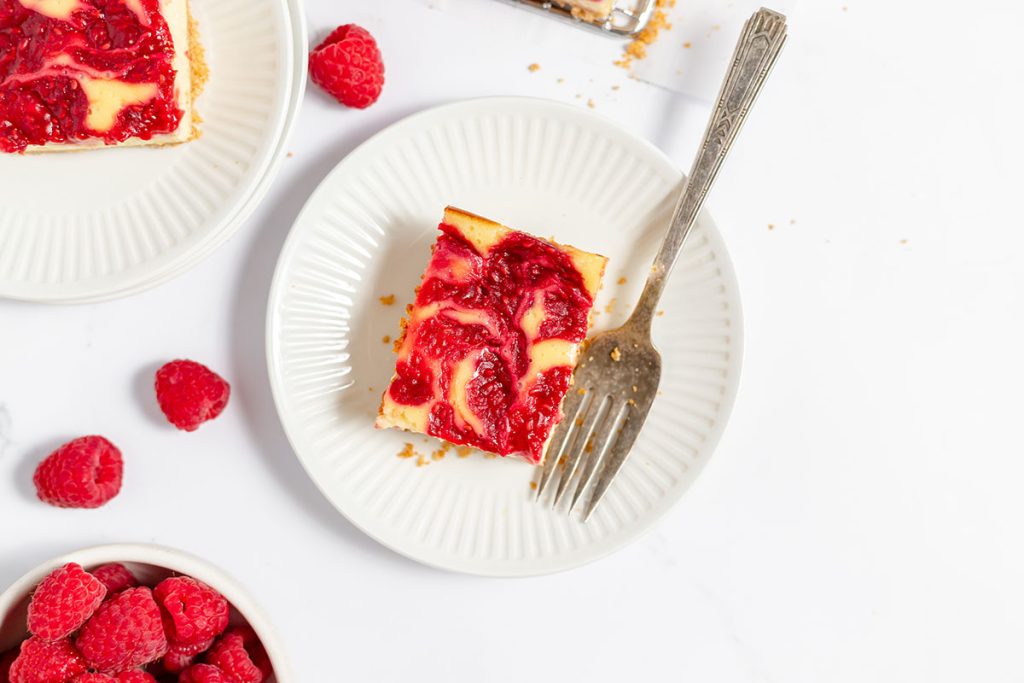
(589, 10)
(492, 339)
(77, 74)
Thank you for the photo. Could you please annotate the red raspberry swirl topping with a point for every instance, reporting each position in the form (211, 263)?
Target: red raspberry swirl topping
(476, 336)
(54, 59)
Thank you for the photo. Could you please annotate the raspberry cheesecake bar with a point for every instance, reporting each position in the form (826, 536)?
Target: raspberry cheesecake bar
(77, 74)
(589, 10)
(492, 339)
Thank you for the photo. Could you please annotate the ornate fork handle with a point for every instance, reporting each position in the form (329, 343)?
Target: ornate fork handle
(756, 52)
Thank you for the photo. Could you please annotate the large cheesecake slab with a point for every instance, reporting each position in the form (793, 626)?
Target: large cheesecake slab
(77, 74)
(492, 339)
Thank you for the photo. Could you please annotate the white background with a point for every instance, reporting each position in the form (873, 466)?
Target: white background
(862, 519)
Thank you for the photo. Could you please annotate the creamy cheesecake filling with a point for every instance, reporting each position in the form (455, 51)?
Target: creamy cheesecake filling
(77, 74)
(492, 339)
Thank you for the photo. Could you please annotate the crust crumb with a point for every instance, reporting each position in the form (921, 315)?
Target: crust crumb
(199, 71)
(616, 354)
(637, 49)
(388, 300)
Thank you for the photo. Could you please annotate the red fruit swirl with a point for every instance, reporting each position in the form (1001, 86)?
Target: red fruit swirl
(473, 308)
(47, 62)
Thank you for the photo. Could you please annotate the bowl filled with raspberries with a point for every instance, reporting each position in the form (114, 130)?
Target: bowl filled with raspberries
(134, 614)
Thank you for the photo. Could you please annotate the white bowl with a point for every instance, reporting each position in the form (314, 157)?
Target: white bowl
(150, 563)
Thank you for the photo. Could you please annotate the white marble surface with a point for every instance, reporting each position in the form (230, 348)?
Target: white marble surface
(862, 518)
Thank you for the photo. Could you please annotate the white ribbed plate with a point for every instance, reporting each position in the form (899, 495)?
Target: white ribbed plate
(105, 223)
(366, 232)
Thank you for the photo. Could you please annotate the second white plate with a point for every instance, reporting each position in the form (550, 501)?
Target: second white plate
(543, 167)
(111, 222)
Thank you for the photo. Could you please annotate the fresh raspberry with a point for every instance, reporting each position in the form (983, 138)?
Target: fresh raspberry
(240, 655)
(63, 601)
(181, 657)
(134, 676)
(193, 612)
(348, 65)
(116, 577)
(42, 662)
(94, 678)
(126, 632)
(190, 393)
(6, 659)
(203, 673)
(84, 473)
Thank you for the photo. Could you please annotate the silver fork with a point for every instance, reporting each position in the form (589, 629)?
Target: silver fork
(618, 374)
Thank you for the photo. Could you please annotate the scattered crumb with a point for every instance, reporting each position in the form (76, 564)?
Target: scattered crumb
(660, 313)
(388, 300)
(845, 8)
(589, 448)
(407, 451)
(635, 388)
(561, 462)
(590, 103)
(615, 87)
(386, 339)
(463, 451)
(792, 221)
(489, 456)
(370, 389)
(421, 461)
(533, 68)
(290, 154)
(687, 45)
(611, 305)
(581, 391)
(579, 421)
(533, 485)
(903, 241)
(637, 49)
(616, 354)
(631, 402)
(622, 280)
(771, 226)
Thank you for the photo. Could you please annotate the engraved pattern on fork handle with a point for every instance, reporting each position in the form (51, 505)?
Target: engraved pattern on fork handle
(763, 37)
